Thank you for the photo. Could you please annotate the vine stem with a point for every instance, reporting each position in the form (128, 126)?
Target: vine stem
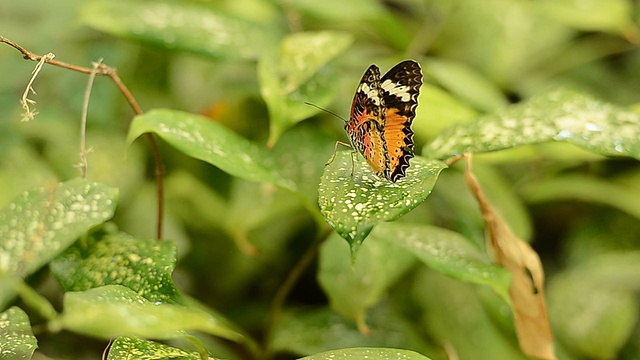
(287, 285)
(104, 70)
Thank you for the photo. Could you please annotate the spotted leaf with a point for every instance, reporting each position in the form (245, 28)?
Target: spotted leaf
(559, 115)
(127, 347)
(207, 140)
(16, 338)
(115, 310)
(367, 353)
(41, 223)
(354, 203)
(143, 265)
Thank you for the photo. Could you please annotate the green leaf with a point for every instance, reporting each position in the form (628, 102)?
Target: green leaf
(297, 73)
(114, 310)
(143, 265)
(583, 188)
(9, 287)
(206, 140)
(301, 153)
(446, 252)
(339, 10)
(127, 347)
(354, 204)
(353, 288)
(559, 115)
(367, 353)
(437, 110)
(40, 224)
(451, 312)
(594, 306)
(310, 331)
(16, 338)
(182, 26)
(592, 15)
(463, 81)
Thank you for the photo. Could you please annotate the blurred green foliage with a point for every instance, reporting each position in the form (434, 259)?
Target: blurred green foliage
(238, 73)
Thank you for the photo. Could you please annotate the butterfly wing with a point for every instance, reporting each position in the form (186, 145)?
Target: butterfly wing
(367, 122)
(398, 91)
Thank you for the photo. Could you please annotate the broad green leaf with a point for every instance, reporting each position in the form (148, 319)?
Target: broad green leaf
(182, 26)
(206, 140)
(583, 188)
(354, 203)
(558, 115)
(40, 224)
(143, 265)
(592, 15)
(594, 306)
(114, 310)
(504, 40)
(296, 73)
(127, 347)
(353, 288)
(452, 313)
(9, 285)
(16, 338)
(465, 83)
(16, 161)
(301, 153)
(446, 252)
(367, 353)
(310, 331)
(339, 10)
(438, 110)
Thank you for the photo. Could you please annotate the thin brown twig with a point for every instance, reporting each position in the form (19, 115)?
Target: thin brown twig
(112, 73)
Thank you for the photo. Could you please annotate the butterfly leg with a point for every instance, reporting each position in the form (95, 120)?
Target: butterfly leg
(353, 161)
(335, 150)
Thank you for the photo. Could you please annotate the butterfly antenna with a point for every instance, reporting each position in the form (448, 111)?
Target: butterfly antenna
(325, 110)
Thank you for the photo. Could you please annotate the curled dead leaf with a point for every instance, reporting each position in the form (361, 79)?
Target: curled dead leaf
(527, 277)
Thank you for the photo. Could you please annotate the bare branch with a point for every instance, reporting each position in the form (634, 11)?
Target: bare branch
(99, 70)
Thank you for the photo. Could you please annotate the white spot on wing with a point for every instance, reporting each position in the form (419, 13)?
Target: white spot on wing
(401, 91)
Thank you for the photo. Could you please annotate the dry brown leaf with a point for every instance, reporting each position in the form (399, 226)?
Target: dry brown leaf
(527, 277)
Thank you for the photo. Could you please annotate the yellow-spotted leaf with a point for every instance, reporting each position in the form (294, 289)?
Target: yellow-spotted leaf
(353, 203)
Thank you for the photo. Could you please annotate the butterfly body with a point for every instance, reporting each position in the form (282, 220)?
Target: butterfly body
(382, 111)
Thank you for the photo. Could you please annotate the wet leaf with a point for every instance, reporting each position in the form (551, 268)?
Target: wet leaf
(114, 310)
(126, 347)
(353, 288)
(16, 338)
(559, 115)
(446, 252)
(367, 353)
(143, 265)
(206, 140)
(527, 285)
(354, 204)
(297, 73)
(40, 224)
(182, 26)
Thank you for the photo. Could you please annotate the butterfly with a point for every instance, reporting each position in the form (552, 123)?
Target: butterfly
(382, 111)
